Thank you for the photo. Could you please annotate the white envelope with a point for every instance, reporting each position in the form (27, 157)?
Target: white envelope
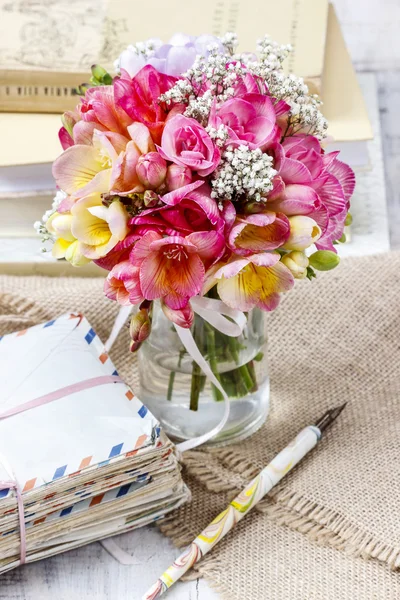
(78, 431)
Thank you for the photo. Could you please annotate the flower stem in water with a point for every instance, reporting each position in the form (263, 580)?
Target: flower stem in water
(195, 388)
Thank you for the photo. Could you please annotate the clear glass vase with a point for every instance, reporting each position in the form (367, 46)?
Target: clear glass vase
(177, 392)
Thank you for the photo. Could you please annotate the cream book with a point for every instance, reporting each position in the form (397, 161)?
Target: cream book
(46, 49)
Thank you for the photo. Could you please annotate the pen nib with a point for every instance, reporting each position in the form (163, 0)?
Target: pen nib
(329, 417)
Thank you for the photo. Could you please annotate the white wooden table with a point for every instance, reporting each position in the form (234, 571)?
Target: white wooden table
(371, 32)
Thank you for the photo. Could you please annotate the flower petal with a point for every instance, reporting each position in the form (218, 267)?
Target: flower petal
(154, 276)
(241, 291)
(296, 200)
(345, 175)
(331, 194)
(76, 168)
(210, 245)
(274, 280)
(293, 171)
(140, 134)
(186, 276)
(262, 105)
(176, 196)
(141, 249)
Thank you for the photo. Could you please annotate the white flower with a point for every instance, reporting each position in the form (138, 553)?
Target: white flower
(243, 172)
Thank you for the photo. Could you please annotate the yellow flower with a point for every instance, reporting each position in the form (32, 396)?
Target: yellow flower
(66, 245)
(97, 227)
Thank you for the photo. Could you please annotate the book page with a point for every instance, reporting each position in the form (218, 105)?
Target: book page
(71, 35)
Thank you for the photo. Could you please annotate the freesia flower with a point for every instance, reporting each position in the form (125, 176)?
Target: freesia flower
(171, 267)
(250, 120)
(99, 228)
(84, 169)
(138, 97)
(185, 142)
(303, 233)
(297, 263)
(256, 280)
(66, 245)
(195, 212)
(259, 232)
(122, 284)
(109, 163)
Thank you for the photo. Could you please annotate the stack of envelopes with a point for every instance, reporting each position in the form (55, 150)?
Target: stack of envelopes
(90, 463)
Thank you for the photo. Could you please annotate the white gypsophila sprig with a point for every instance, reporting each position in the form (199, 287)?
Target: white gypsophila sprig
(145, 50)
(243, 173)
(307, 118)
(40, 226)
(229, 42)
(215, 73)
(212, 80)
(220, 135)
(304, 113)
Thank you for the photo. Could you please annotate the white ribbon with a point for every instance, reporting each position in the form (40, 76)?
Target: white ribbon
(119, 322)
(215, 313)
(227, 320)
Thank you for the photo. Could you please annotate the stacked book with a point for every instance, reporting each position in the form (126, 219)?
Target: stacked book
(89, 458)
(46, 52)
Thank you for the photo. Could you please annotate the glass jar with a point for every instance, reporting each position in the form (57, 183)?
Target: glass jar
(177, 392)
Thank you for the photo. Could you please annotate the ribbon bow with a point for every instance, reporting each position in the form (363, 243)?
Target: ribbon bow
(214, 312)
(228, 321)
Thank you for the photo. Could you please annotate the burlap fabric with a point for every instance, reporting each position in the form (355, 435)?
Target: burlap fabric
(332, 340)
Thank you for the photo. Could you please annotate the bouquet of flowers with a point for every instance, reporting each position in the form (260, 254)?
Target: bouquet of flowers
(197, 171)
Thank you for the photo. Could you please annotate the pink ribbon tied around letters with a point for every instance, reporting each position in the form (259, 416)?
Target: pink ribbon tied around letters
(13, 484)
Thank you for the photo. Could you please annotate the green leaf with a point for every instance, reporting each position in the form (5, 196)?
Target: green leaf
(310, 273)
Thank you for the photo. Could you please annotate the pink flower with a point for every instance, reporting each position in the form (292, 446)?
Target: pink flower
(151, 170)
(99, 106)
(250, 119)
(258, 233)
(195, 212)
(185, 142)
(138, 97)
(312, 183)
(171, 267)
(122, 284)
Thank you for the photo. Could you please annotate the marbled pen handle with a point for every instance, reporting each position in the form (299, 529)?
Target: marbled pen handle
(237, 509)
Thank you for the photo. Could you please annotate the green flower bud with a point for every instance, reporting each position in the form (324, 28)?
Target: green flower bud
(150, 199)
(324, 260)
(100, 76)
(253, 208)
(349, 220)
